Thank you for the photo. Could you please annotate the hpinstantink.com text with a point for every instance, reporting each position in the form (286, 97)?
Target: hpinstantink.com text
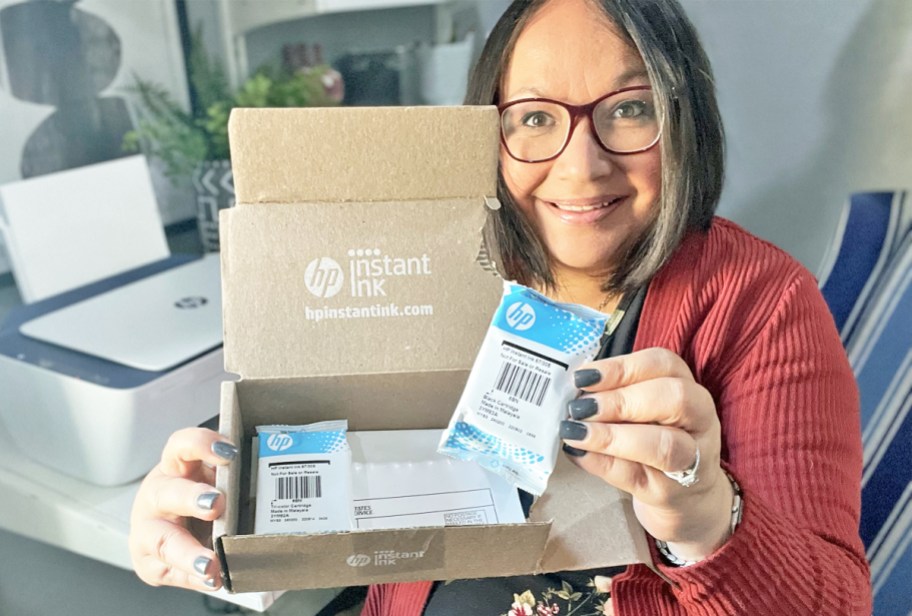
(374, 311)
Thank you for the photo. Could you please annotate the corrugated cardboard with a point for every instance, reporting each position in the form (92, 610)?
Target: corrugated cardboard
(364, 209)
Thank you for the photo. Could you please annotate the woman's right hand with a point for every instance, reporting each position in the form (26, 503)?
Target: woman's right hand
(171, 521)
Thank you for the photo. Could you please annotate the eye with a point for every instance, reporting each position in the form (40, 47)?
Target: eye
(537, 119)
(631, 109)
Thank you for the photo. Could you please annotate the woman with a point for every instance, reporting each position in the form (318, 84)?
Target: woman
(723, 402)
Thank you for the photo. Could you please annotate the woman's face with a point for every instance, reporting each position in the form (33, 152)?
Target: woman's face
(587, 204)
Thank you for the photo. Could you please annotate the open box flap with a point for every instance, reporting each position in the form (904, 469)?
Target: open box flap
(286, 562)
(363, 154)
(228, 477)
(593, 523)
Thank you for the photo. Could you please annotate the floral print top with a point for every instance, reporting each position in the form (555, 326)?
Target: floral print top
(581, 593)
(593, 601)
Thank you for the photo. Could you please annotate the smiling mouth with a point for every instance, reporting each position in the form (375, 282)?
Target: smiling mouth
(585, 207)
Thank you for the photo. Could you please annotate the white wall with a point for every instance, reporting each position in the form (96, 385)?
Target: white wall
(816, 98)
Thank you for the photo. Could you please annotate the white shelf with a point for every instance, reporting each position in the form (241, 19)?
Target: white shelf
(239, 17)
(242, 16)
(338, 6)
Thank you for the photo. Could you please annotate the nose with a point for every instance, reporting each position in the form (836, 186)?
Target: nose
(583, 158)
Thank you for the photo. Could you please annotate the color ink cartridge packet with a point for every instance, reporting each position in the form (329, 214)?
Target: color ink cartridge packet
(509, 415)
(304, 482)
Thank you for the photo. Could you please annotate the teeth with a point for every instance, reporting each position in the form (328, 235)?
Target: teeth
(583, 208)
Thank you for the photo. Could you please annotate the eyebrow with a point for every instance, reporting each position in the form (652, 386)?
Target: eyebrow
(625, 79)
(633, 74)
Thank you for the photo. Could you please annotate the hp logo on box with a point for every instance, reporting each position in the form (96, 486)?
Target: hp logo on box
(520, 316)
(323, 277)
(358, 560)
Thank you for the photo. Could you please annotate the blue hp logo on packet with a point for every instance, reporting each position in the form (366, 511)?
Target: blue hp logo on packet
(520, 316)
(279, 442)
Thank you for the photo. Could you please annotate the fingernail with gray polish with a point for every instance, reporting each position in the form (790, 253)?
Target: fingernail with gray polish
(224, 450)
(581, 408)
(573, 451)
(585, 378)
(573, 430)
(210, 583)
(201, 564)
(206, 501)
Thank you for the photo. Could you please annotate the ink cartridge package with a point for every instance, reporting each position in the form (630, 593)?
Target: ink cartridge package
(509, 415)
(304, 479)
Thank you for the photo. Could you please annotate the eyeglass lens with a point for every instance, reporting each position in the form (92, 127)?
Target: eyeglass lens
(537, 130)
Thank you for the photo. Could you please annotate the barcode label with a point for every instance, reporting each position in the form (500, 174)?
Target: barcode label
(293, 488)
(524, 384)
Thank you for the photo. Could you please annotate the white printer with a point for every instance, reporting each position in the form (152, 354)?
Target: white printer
(95, 413)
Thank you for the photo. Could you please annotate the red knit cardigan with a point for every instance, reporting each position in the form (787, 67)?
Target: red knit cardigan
(754, 329)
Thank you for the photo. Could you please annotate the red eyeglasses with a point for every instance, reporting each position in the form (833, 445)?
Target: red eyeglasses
(535, 130)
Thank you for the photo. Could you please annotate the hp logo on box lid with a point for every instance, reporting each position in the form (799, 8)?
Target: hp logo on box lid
(520, 316)
(323, 277)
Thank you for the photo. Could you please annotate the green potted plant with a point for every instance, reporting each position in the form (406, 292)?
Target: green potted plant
(193, 145)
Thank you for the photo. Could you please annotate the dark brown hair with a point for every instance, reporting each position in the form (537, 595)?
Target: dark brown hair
(692, 141)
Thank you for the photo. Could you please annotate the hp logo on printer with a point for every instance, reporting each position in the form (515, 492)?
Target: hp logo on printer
(195, 301)
(323, 277)
(520, 316)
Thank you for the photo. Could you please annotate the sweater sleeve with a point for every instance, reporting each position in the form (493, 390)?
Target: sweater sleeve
(789, 410)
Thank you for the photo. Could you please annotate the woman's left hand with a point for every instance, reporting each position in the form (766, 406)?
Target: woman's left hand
(642, 414)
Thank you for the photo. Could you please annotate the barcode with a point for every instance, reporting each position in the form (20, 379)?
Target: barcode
(524, 384)
(290, 488)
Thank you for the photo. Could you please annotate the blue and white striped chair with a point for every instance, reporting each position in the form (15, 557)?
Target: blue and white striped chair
(870, 230)
(869, 290)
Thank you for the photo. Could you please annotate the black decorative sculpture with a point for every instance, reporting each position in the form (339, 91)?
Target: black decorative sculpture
(59, 55)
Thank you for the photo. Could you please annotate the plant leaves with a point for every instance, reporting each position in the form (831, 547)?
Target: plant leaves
(180, 139)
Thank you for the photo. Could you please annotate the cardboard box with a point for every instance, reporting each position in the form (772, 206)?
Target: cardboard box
(375, 213)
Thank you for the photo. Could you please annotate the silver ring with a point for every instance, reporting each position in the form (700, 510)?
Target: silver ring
(688, 476)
